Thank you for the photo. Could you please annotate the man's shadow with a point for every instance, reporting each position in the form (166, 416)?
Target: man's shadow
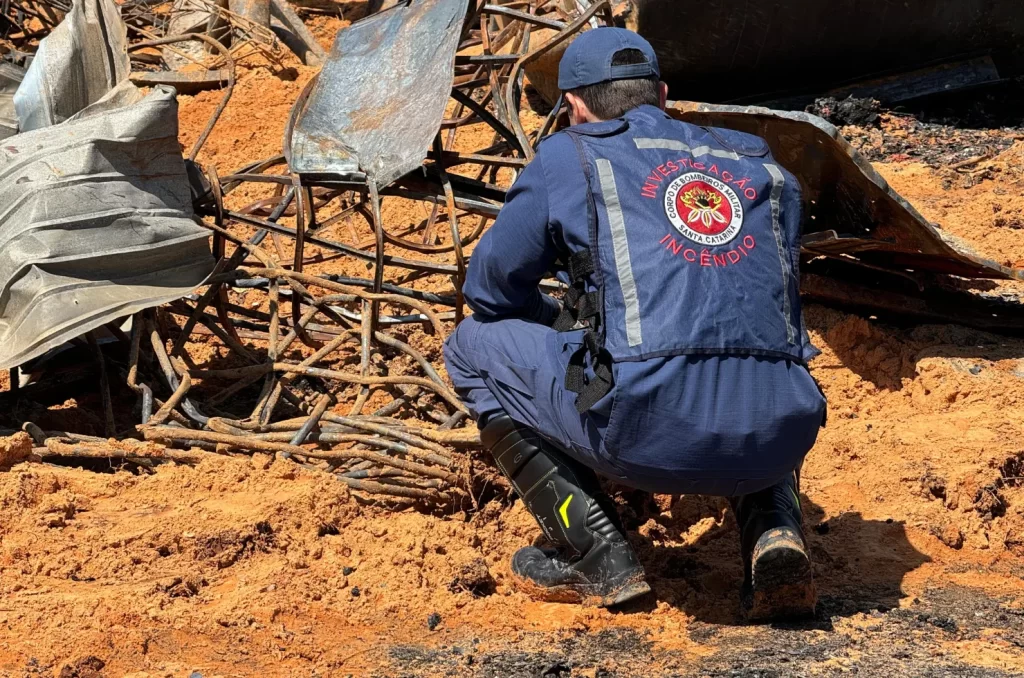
(859, 564)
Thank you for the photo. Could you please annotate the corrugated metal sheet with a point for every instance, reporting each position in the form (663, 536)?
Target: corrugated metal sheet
(849, 209)
(95, 224)
(10, 78)
(380, 98)
(77, 64)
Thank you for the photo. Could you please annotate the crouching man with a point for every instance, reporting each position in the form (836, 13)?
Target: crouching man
(678, 363)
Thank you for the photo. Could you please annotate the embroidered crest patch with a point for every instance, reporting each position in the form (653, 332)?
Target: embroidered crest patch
(704, 209)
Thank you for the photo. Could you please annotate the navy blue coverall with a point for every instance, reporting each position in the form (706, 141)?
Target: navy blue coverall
(705, 420)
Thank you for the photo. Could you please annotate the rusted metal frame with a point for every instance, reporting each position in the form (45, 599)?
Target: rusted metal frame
(314, 419)
(150, 35)
(468, 118)
(378, 264)
(549, 121)
(68, 448)
(468, 205)
(223, 266)
(453, 221)
(371, 380)
(220, 298)
(511, 32)
(338, 288)
(487, 117)
(453, 159)
(571, 29)
(426, 266)
(487, 59)
(236, 387)
(523, 16)
(170, 377)
(110, 427)
(146, 394)
(253, 169)
(369, 321)
(305, 221)
(424, 364)
(249, 443)
(165, 411)
(371, 487)
(326, 350)
(276, 388)
(429, 249)
(227, 91)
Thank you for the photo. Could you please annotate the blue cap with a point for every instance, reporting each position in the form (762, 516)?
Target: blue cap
(588, 60)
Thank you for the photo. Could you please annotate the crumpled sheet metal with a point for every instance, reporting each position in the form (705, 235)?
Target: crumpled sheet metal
(849, 209)
(10, 78)
(95, 224)
(76, 65)
(381, 96)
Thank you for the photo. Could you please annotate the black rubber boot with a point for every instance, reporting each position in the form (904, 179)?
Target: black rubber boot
(591, 562)
(777, 582)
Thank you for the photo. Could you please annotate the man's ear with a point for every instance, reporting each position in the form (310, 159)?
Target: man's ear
(577, 109)
(663, 91)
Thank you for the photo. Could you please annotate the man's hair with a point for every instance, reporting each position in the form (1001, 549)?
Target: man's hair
(615, 98)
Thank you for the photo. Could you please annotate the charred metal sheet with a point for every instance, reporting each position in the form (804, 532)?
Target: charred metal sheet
(95, 224)
(380, 98)
(77, 64)
(849, 209)
(933, 305)
(10, 78)
(185, 82)
(728, 50)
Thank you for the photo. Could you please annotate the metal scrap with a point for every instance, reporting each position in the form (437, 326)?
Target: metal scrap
(283, 344)
(849, 208)
(381, 96)
(874, 248)
(78, 64)
(98, 225)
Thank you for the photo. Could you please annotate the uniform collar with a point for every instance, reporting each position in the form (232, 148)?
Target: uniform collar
(608, 127)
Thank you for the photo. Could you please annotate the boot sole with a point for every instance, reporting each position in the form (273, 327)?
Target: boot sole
(783, 584)
(576, 595)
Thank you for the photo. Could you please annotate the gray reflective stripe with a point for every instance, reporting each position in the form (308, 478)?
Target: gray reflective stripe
(779, 183)
(673, 145)
(620, 245)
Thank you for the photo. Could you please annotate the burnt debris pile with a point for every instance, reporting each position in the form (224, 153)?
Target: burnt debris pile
(189, 320)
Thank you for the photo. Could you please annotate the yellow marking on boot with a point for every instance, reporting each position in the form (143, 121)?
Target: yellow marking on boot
(796, 497)
(563, 510)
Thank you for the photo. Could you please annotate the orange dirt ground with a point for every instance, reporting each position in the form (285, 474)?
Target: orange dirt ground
(914, 499)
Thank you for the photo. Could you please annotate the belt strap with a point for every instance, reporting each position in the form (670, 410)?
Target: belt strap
(589, 392)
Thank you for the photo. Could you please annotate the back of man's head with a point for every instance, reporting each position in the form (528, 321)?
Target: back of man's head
(614, 98)
(611, 71)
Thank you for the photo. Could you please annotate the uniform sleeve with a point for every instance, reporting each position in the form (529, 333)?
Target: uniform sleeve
(515, 254)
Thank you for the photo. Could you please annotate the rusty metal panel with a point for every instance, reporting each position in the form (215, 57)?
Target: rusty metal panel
(76, 65)
(733, 50)
(381, 96)
(96, 223)
(849, 208)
